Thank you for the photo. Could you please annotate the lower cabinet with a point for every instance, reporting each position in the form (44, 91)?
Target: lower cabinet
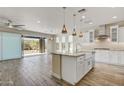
(102, 56)
(113, 57)
(89, 64)
(110, 57)
(121, 57)
(75, 68)
(81, 69)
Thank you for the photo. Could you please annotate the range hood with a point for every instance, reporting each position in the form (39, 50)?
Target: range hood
(102, 32)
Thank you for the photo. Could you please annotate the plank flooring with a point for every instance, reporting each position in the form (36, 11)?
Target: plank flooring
(36, 71)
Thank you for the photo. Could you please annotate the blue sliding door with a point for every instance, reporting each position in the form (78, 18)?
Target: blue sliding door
(11, 46)
(0, 46)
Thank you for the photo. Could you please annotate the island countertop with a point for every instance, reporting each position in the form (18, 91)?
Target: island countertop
(74, 54)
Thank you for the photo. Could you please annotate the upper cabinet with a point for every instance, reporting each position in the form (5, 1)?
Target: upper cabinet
(85, 38)
(114, 33)
(91, 36)
(121, 34)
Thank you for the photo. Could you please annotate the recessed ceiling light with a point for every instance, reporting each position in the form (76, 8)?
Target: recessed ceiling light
(90, 23)
(38, 22)
(114, 17)
(83, 17)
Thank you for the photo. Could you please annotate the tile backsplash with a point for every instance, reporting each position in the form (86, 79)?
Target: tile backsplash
(104, 44)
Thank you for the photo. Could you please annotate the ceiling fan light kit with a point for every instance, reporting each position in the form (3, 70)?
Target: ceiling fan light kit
(9, 23)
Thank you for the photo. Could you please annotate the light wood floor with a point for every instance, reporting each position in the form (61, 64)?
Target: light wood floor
(36, 71)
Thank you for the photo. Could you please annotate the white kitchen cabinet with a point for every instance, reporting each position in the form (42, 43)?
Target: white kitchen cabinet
(121, 34)
(85, 38)
(102, 56)
(113, 57)
(91, 36)
(117, 57)
(80, 69)
(88, 37)
(88, 65)
(74, 68)
(121, 57)
(69, 69)
(114, 33)
(110, 57)
(0, 46)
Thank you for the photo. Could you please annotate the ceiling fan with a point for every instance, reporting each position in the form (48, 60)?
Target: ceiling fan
(10, 24)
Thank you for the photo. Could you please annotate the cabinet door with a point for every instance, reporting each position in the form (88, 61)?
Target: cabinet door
(80, 69)
(86, 38)
(114, 33)
(88, 65)
(102, 56)
(0, 46)
(121, 58)
(98, 56)
(113, 57)
(11, 46)
(91, 36)
(121, 34)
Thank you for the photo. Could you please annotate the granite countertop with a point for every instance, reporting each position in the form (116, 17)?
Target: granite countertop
(82, 53)
(108, 49)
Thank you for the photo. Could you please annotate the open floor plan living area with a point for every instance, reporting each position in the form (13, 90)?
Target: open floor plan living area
(61, 46)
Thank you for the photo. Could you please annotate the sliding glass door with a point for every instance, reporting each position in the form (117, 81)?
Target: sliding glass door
(31, 46)
(0, 46)
(11, 46)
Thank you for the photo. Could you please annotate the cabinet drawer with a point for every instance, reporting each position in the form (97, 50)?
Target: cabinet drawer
(81, 58)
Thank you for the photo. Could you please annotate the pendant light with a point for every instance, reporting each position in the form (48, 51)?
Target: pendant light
(81, 33)
(64, 30)
(74, 29)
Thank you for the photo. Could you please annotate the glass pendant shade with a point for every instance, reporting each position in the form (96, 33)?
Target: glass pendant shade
(74, 29)
(74, 32)
(64, 30)
(81, 34)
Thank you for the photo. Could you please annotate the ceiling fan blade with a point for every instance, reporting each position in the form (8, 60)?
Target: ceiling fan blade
(9, 21)
(17, 25)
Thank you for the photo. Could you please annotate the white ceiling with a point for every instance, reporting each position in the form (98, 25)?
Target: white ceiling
(51, 19)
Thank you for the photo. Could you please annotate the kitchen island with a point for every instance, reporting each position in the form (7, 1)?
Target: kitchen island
(72, 67)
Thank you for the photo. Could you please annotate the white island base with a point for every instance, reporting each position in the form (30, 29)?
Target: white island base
(72, 68)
